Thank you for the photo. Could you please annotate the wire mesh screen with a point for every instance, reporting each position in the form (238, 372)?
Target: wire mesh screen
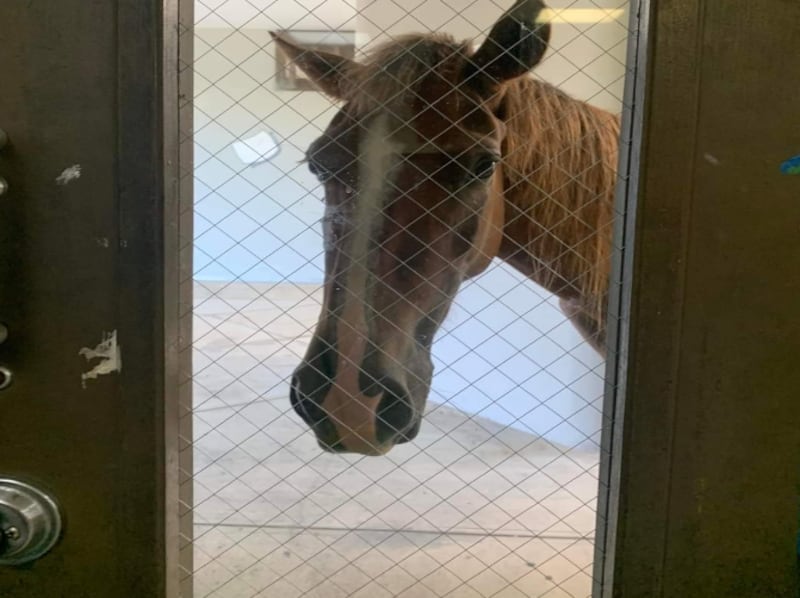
(494, 492)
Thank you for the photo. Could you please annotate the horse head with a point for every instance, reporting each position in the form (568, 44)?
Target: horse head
(411, 167)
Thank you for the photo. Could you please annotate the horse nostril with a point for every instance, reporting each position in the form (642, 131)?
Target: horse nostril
(395, 414)
(303, 404)
(411, 433)
(296, 398)
(294, 391)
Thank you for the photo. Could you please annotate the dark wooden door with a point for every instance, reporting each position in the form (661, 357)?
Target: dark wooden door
(86, 258)
(708, 473)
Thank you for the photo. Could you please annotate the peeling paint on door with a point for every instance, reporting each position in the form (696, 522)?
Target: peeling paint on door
(108, 352)
(70, 174)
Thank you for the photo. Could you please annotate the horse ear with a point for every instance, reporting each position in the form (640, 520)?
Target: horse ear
(328, 71)
(514, 46)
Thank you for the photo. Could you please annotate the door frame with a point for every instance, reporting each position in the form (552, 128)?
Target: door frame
(649, 527)
(702, 464)
(177, 254)
(620, 297)
(150, 41)
(179, 106)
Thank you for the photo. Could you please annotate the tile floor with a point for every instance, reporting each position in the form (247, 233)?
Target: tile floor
(470, 509)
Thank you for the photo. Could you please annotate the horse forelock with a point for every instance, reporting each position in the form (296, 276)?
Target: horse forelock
(393, 73)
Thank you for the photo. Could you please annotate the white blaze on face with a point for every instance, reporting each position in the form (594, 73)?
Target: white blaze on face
(376, 156)
(354, 414)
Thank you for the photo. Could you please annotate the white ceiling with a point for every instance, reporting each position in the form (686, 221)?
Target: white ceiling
(276, 14)
(327, 15)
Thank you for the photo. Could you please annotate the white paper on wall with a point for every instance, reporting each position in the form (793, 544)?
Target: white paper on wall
(262, 147)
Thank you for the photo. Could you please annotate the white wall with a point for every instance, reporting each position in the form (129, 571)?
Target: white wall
(260, 222)
(506, 352)
(275, 14)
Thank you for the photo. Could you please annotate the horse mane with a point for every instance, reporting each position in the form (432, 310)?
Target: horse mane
(560, 165)
(560, 160)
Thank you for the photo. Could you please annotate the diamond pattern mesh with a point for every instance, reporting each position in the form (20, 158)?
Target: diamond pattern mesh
(496, 496)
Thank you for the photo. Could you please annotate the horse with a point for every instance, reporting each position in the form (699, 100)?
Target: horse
(442, 157)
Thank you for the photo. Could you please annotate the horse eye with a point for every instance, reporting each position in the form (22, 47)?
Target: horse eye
(484, 167)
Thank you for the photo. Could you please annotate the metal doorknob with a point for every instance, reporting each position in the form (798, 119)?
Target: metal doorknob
(30, 522)
(6, 377)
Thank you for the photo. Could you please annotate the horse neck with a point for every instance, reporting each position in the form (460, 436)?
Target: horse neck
(560, 172)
